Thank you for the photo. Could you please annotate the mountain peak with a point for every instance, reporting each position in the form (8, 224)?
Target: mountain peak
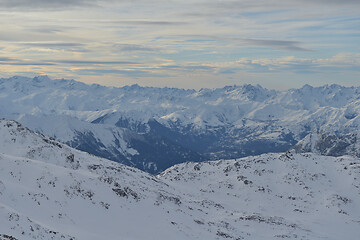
(227, 122)
(41, 78)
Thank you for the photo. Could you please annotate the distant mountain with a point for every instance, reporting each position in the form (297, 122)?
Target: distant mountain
(154, 128)
(51, 191)
(149, 152)
(330, 144)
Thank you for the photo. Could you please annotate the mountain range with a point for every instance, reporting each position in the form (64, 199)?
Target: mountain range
(51, 191)
(155, 128)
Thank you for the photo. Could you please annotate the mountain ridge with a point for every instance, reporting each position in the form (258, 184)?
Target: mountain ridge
(51, 191)
(206, 124)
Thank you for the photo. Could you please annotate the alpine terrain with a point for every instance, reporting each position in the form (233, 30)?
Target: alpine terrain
(155, 128)
(51, 191)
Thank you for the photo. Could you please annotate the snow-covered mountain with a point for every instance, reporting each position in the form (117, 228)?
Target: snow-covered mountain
(51, 191)
(330, 144)
(147, 127)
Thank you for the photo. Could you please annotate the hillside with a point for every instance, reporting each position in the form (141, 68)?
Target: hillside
(50, 191)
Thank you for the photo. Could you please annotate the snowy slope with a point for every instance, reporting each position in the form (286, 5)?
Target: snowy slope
(276, 196)
(50, 191)
(229, 122)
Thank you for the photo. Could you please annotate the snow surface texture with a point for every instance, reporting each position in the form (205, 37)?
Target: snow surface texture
(129, 124)
(50, 191)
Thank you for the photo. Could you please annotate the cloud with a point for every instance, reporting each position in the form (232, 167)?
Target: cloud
(11, 61)
(277, 44)
(89, 62)
(277, 4)
(227, 71)
(335, 2)
(132, 73)
(284, 45)
(199, 37)
(53, 44)
(68, 46)
(48, 29)
(4, 59)
(27, 63)
(44, 4)
(339, 62)
(269, 10)
(12, 34)
(18, 62)
(187, 67)
(148, 22)
(134, 48)
(155, 71)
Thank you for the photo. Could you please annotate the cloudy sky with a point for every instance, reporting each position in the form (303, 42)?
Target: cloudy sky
(279, 44)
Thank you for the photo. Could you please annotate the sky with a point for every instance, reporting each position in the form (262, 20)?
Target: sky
(278, 44)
